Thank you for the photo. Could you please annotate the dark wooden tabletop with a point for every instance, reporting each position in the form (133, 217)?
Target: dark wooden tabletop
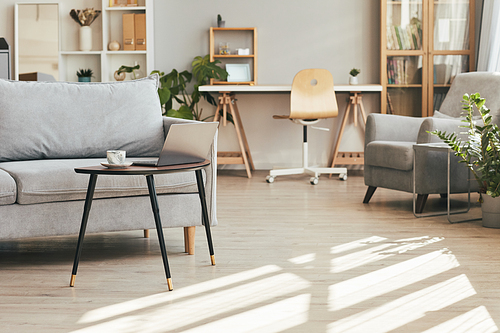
(142, 170)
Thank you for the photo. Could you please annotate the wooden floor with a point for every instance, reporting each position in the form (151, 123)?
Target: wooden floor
(291, 257)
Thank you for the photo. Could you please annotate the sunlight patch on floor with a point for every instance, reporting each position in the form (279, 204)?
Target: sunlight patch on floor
(188, 312)
(303, 259)
(363, 257)
(356, 244)
(361, 288)
(406, 309)
(166, 297)
(477, 320)
(271, 318)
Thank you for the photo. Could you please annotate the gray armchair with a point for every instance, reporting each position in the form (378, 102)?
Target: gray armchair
(389, 141)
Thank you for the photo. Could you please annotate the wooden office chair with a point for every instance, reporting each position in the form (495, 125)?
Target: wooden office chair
(311, 100)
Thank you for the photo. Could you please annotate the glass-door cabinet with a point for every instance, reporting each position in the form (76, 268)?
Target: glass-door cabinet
(417, 66)
(452, 43)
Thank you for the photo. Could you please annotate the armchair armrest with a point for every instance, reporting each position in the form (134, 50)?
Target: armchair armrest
(211, 170)
(443, 124)
(388, 127)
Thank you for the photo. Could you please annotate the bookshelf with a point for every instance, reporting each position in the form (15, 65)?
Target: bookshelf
(235, 38)
(106, 28)
(424, 45)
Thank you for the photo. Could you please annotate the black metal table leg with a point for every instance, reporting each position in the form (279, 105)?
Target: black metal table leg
(83, 227)
(156, 213)
(204, 211)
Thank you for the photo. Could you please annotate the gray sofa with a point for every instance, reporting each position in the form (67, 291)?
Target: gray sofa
(389, 140)
(49, 128)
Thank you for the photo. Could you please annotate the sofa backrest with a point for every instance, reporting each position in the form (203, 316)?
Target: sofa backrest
(485, 83)
(79, 120)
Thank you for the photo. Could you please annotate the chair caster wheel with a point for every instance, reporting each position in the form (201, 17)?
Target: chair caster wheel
(314, 180)
(270, 179)
(343, 176)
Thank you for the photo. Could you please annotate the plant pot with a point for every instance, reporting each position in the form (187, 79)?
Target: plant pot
(491, 211)
(85, 38)
(119, 77)
(353, 80)
(84, 79)
(221, 24)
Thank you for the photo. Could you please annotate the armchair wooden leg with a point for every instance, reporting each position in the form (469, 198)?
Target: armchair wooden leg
(369, 192)
(421, 200)
(189, 235)
(146, 233)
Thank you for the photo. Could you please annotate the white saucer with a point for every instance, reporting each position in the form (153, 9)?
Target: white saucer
(116, 166)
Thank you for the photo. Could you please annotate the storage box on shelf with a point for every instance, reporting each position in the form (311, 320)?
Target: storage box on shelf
(106, 29)
(424, 44)
(224, 45)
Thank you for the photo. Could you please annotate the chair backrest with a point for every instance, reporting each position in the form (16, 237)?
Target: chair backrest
(312, 95)
(485, 83)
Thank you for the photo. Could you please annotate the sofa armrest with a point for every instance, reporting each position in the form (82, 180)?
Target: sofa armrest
(388, 127)
(443, 124)
(211, 170)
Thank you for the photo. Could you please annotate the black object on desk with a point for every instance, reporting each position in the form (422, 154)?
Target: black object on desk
(94, 171)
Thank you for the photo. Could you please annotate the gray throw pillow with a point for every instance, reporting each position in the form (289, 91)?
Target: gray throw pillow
(78, 120)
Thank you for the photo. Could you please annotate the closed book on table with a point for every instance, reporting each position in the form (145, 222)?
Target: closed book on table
(140, 31)
(128, 32)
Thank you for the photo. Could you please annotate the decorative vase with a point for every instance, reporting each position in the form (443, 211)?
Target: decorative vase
(85, 38)
(119, 77)
(84, 79)
(114, 46)
(353, 80)
(491, 211)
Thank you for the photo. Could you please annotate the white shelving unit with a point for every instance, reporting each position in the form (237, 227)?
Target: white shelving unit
(106, 28)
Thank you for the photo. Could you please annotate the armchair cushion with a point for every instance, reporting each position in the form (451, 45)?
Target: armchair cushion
(390, 154)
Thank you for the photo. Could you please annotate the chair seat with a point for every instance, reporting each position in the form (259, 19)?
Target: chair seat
(390, 154)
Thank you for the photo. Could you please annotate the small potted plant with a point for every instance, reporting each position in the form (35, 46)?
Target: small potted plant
(84, 75)
(353, 78)
(220, 23)
(481, 153)
(120, 73)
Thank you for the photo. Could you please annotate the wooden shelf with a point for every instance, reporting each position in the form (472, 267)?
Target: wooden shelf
(404, 86)
(244, 38)
(126, 8)
(233, 56)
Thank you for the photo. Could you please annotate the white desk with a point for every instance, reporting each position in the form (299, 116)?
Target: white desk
(244, 156)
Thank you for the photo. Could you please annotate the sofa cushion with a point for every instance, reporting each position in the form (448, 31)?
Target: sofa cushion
(7, 189)
(56, 180)
(79, 120)
(390, 154)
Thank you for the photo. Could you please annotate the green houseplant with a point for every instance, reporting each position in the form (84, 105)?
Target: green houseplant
(480, 152)
(174, 87)
(353, 78)
(84, 75)
(120, 73)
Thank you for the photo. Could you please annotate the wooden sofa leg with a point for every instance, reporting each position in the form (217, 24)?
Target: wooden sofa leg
(189, 233)
(146, 233)
(369, 192)
(421, 200)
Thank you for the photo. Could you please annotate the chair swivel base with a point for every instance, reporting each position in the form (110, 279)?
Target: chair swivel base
(313, 171)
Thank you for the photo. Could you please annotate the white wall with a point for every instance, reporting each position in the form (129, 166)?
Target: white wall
(292, 35)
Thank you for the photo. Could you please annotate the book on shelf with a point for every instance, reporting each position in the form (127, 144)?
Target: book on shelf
(398, 69)
(404, 38)
(390, 109)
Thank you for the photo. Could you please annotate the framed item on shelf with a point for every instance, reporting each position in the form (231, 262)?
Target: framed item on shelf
(238, 72)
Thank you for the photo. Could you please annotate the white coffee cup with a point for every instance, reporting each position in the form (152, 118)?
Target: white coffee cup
(116, 156)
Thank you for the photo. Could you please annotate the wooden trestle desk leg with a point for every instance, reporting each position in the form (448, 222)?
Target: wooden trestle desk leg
(156, 213)
(204, 211)
(244, 156)
(354, 100)
(83, 227)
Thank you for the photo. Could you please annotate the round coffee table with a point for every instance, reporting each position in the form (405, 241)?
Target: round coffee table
(94, 171)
